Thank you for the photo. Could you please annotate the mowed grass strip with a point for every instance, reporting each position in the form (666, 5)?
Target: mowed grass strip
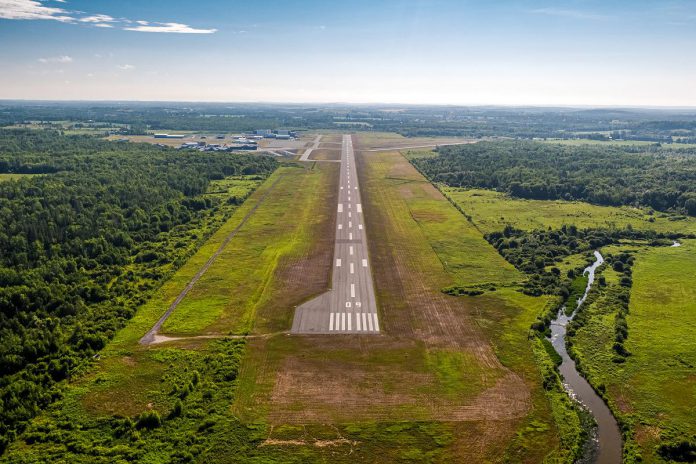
(492, 211)
(458, 245)
(226, 297)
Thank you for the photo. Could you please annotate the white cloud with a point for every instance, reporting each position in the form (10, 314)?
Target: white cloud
(32, 10)
(98, 18)
(126, 67)
(172, 28)
(57, 59)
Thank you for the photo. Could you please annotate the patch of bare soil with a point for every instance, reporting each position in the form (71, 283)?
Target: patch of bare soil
(323, 154)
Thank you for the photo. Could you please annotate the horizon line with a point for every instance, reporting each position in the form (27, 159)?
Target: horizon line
(376, 103)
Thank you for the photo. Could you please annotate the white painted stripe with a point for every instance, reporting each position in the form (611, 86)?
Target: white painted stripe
(369, 322)
(349, 214)
(341, 187)
(340, 207)
(343, 321)
(331, 316)
(376, 322)
(364, 262)
(352, 290)
(357, 321)
(356, 187)
(350, 224)
(348, 197)
(350, 249)
(352, 270)
(364, 322)
(350, 235)
(360, 227)
(350, 206)
(338, 262)
(350, 318)
(340, 226)
(359, 207)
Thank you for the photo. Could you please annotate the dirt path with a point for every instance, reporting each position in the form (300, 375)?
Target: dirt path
(150, 336)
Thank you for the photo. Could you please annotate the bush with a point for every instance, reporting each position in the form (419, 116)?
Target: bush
(148, 420)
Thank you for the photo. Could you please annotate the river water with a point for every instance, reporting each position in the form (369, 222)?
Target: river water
(608, 449)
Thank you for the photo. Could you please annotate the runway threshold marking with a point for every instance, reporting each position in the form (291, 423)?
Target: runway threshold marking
(338, 262)
(369, 322)
(331, 321)
(376, 322)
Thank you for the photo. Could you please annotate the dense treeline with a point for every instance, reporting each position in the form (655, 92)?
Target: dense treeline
(525, 123)
(663, 180)
(80, 247)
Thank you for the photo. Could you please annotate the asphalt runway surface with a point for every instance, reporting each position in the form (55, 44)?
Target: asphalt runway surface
(350, 306)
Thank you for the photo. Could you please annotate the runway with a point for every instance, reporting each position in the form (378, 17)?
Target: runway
(350, 306)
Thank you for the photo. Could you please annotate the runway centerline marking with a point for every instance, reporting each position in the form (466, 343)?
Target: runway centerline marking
(350, 250)
(352, 270)
(352, 290)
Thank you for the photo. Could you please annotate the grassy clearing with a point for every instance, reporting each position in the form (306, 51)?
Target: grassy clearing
(492, 211)
(653, 390)
(7, 177)
(226, 297)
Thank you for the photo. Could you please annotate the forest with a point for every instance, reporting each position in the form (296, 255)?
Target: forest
(664, 180)
(96, 227)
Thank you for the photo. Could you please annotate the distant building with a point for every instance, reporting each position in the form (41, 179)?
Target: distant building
(169, 136)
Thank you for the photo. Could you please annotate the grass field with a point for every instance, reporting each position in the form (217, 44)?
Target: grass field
(492, 211)
(6, 177)
(654, 389)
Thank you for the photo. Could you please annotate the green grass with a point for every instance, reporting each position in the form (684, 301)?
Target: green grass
(492, 211)
(6, 177)
(226, 297)
(654, 389)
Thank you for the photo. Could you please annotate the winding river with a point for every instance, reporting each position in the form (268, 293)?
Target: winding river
(608, 449)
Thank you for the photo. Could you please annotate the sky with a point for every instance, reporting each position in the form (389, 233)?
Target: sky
(458, 52)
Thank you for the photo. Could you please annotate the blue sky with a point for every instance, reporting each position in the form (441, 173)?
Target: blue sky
(440, 51)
